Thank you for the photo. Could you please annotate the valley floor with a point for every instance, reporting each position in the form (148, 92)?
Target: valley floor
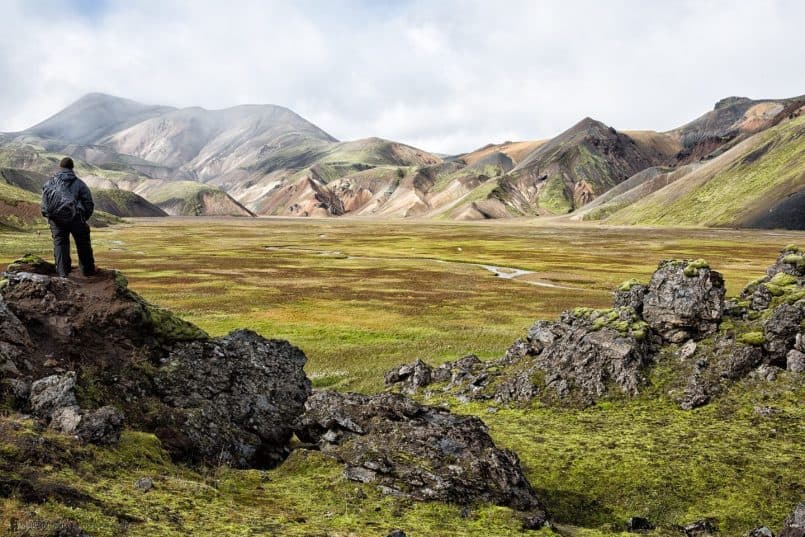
(361, 296)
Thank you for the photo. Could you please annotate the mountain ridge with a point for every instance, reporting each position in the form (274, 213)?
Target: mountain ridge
(272, 161)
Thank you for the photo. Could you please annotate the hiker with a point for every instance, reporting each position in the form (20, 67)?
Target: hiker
(67, 204)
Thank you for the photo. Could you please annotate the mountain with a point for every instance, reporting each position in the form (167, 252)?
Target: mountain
(267, 160)
(573, 168)
(333, 180)
(592, 173)
(730, 121)
(95, 116)
(211, 143)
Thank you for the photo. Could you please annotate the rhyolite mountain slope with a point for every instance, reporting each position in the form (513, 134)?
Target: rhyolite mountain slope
(760, 182)
(271, 161)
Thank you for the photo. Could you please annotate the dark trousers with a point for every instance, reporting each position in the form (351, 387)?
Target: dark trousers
(61, 246)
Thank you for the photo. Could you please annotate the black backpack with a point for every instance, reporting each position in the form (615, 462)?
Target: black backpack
(59, 201)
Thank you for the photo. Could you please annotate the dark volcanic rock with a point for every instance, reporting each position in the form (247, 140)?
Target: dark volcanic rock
(234, 398)
(788, 268)
(638, 523)
(53, 399)
(231, 399)
(101, 426)
(717, 366)
(794, 525)
(631, 295)
(15, 345)
(579, 358)
(410, 377)
(762, 531)
(781, 328)
(416, 451)
(790, 261)
(684, 300)
(700, 528)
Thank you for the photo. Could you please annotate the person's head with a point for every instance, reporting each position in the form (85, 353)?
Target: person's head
(67, 162)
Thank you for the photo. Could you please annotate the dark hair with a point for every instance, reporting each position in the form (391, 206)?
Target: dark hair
(66, 162)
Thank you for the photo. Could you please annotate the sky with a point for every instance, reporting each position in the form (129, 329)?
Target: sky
(444, 75)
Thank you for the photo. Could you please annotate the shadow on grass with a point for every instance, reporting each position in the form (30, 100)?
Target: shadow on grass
(568, 507)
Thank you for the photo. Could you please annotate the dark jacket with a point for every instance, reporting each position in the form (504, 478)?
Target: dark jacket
(80, 190)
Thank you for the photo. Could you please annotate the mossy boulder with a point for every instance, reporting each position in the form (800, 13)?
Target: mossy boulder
(684, 299)
(416, 451)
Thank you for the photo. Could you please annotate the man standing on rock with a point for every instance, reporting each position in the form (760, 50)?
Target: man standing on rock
(67, 204)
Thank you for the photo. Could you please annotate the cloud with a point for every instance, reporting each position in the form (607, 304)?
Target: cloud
(447, 76)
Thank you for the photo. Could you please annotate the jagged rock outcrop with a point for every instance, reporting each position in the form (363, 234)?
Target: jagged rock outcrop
(575, 360)
(630, 294)
(757, 337)
(714, 368)
(410, 377)
(239, 393)
(589, 354)
(416, 451)
(581, 357)
(95, 344)
(684, 300)
(780, 330)
(788, 269)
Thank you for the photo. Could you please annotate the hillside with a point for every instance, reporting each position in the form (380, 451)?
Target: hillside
(731, 119)
(19, 209)
(124, 203)
(758, 183)
(188, 198)
(332, 180)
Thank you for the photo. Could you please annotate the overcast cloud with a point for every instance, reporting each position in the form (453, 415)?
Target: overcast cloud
(447, 76)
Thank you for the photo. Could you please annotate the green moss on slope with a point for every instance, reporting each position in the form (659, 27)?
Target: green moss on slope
(729, 196)
(553, 196)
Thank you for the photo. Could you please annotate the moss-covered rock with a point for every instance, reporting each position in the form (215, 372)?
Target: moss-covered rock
(752, 338)
(692, 268)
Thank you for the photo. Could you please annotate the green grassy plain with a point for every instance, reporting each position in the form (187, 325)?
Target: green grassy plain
(362, 296)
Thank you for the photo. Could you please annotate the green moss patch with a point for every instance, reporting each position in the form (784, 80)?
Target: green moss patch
(798, 260)
(752, 338)
(628, 284)
(693, 268)
(554, 197)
